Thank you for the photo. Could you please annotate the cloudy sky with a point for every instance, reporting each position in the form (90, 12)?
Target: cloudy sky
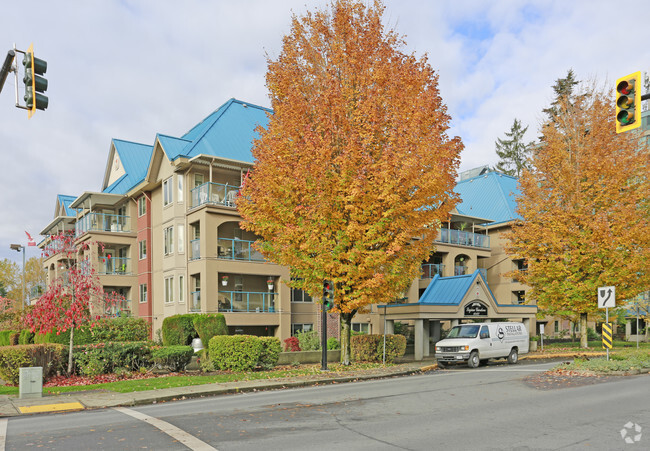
(131, 69)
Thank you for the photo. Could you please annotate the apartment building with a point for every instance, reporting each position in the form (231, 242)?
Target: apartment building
(171, 241)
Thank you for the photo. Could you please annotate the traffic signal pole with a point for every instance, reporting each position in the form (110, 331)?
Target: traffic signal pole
(323, 321)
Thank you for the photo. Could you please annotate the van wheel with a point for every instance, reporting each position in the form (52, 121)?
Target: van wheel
(513, 357)
(473, 361)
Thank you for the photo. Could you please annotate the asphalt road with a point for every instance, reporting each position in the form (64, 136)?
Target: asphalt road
(459, 408)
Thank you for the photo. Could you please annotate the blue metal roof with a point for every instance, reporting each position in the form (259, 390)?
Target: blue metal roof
(64, 200)
(173, 147)
(492, 195)
(448, 290)
(228, 132)
(135, 159)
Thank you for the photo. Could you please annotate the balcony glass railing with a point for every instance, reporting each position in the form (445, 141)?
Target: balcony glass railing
(429, 270)
(234, 249)
(195, 251)
(100, 222)
(113, 307)
(114, 265)
(195, 301)
(215, 194)
(452, 236)
(246, 301)
(460, 270)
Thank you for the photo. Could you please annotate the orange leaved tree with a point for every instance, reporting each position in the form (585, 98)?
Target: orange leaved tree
(585, 212)
(355, 170)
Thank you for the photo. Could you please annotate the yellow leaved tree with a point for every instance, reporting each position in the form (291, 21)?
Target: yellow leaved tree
(355, 170)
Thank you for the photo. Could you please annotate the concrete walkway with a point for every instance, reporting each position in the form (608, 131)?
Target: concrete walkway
(12, 405)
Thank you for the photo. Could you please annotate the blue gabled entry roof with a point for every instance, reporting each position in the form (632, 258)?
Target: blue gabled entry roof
(449, 290)
(492, 195)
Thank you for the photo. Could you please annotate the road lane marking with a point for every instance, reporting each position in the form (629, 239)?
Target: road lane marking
(186, 439)
(3, 433)
(52, 407)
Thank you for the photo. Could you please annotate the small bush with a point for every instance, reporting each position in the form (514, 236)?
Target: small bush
(291, 344)
(370, 348)
(120, 329)
(173, 358)
(5, 337)
(178, 330)
(333, 343)
(48, 356)
(591, 334)
(13, 338)
(208, 326)
(26, 337)
(105, 358)
(309, 341)
(270, 353)
(235, 352)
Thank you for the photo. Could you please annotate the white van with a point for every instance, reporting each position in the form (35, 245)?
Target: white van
(475, 343)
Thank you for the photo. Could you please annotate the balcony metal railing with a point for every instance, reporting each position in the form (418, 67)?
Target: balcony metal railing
(460, 270)
(113, 307)
(234, 249)
(195, 301)
(114, 265)
(429, 270)
(215, 194)
(195, 249)
(100, 222)
(246, 301)
(57, 246)
(452, 236)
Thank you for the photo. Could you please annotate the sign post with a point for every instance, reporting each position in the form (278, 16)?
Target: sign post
(607, 299)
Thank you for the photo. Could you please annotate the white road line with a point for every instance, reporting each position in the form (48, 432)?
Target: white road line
(186, 439)
(3, 433)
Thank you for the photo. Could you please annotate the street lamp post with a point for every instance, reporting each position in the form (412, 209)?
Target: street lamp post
(19, 248)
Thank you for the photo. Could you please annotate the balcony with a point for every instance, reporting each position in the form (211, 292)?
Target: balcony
(234, 249)
(429, 270)
(463, 238)
(195, 302)
(114, 266)
(214, 194)
(246, 301)
(101, 222)
(117, 307)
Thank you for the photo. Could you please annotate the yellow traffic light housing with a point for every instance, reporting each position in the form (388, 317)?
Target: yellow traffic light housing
(628, 102)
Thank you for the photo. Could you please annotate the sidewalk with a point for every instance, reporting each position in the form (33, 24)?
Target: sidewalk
(12, 405)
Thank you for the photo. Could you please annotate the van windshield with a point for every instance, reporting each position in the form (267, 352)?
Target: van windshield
(464, 331)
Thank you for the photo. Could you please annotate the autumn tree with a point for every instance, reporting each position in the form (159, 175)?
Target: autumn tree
(355, 171)
(72, 301)
(10, 280)
(584, 209)
(512, 151)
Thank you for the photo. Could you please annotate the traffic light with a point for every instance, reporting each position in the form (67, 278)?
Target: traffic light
(328, 295)
(34, 82)
(628, 102)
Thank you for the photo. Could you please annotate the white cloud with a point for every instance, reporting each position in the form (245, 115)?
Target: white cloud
(128, 70)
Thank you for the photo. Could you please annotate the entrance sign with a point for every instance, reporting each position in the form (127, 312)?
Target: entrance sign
(606, 297)
(476, 308)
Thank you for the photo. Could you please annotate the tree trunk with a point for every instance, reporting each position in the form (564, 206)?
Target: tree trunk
(346, 322)
(584, 343)
(70, 351)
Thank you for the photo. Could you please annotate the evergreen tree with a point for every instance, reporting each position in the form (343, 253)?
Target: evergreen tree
(513, 152)
(563, 94)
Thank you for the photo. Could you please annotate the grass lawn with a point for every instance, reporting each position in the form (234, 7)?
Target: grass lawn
(621, 360)
(595, 345)
(187, 379)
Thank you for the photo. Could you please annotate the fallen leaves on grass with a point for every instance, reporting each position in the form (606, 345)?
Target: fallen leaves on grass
(74, 380)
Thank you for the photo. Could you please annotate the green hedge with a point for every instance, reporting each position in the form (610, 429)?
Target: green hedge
(106, 329)
(208, 326)
(309, 341)
(178, 330)
(235, 352)
(271, 348)
(173, 358)
(26, 337)
(48, 356)
(5, 337)
(370, 348)
(105, 358)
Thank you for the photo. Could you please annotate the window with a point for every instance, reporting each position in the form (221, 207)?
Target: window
(198, 180)
(168, 240)
(557, 326)
(361, 327)
(143, 249)
(169, 290)
(301, 327)
(300, 296)
(181, 238)
(142, 205)
(179, 184)
(181, 287)
(168, 195)
(143, 293)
